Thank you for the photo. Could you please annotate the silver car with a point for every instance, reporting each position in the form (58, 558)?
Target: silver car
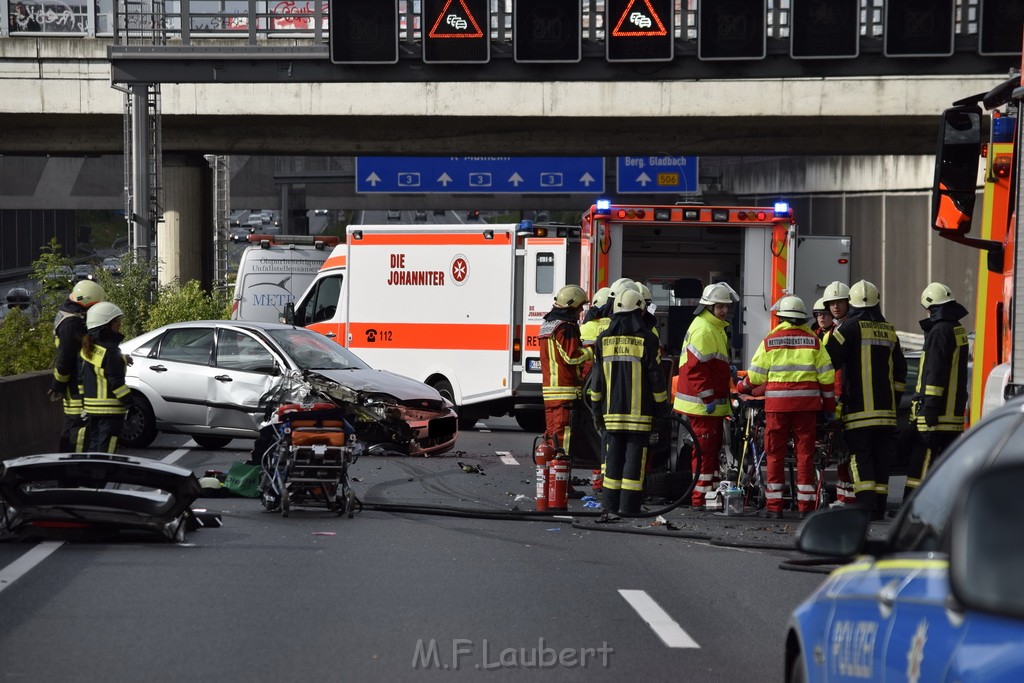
(218, 380)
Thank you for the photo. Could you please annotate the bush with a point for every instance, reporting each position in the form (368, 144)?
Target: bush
(187, 302)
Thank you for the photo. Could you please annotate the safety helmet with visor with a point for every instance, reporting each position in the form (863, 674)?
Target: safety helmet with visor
(570, 296)
(86, 293)
(791, 308)
(100, 314)
(935, 294)
(863, 294)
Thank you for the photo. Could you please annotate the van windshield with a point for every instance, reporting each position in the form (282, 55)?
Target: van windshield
(312, 351)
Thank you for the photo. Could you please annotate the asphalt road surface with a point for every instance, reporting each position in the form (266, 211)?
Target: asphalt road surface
(403, 596)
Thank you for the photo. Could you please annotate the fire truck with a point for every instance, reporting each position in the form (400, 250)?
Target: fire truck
(998, 371)
(460, 307)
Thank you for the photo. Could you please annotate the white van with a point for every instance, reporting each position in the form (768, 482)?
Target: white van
(274, 270)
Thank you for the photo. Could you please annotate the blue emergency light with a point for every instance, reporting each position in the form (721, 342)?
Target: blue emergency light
(603, 207)
(781, 209)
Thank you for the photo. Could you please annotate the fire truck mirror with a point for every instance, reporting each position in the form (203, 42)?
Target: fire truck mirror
(956, 170)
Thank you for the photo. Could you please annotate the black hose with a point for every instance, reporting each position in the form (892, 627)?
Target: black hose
(813, 565)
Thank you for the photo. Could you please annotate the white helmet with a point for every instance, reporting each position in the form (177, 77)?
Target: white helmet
(936, 293)
(718, 293)
(623, 284)
(87, 293)
(645, 292)
(863, 294)
(629, 301)
(791, 308)
(837, 291)
(570, 296)
(820, 306)
(600, 297)
(101, 314)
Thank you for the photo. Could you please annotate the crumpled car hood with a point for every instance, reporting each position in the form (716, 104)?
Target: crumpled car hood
(382, 381)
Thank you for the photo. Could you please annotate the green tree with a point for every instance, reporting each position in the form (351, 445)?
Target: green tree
(187, 302)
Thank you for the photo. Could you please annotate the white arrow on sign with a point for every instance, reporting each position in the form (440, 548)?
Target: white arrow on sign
(373, 179)
(515, 179)
(643, 179)
(586, 179)
(444, 179)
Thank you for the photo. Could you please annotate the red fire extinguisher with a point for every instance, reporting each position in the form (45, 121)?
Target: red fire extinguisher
(542, 455)
(558, 481)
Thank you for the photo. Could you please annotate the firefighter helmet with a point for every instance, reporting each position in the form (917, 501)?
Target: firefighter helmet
(101, 314)
(87, 293)
(600, 297)
(18, 297)
(820, 306)
(936, 293)
(837, 291)
(645, 292)
(863, 294)
(718, 293)
(791, 308)
(570, 296)
(623, 284)
(629, 301)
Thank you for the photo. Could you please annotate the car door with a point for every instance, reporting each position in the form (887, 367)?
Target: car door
(321, 311)
(928, 630)
(177, 372)
(244, 370)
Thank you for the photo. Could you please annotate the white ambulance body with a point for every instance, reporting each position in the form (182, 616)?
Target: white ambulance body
(458, 308)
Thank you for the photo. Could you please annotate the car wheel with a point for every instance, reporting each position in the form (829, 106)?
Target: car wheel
(139, 427)
(797, 673)
(211, 443)
(531, 421)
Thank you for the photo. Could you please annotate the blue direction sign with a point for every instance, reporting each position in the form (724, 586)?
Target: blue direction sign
(480, 175)
(646, 175)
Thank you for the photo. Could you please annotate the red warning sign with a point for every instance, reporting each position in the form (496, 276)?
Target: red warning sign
(456, 22)
(638, 20)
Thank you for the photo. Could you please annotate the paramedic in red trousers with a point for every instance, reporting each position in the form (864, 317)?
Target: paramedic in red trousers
(799, 383)
(562, 357)
(867, 351)
(703, 383)
(105, 394)
(940, 398)
(68, 330)
(837, 301)
(628, 399)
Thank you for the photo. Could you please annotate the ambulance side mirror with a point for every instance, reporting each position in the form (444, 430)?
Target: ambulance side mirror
(288, 315)
(956, 170)
(986, 558)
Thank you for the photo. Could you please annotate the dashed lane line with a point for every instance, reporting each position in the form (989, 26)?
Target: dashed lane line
(506, 457)
(176, 456)
(21, 566)
(663, 625)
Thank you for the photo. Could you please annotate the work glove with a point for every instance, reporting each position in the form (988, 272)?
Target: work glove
(931, 416)
(710, 407)
(56, 390)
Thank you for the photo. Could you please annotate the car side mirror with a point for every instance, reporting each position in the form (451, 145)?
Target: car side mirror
(986, 544)
(288, 315)
(836, 533)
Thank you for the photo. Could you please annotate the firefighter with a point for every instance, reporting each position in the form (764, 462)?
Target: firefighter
(628, 399)
(836, 300)
(799, 383)
(68, 330)
(105, 394)
(867, 351)
(562, 357)
(940, 398)
(597, 316)
(703, 382)
(823, 320)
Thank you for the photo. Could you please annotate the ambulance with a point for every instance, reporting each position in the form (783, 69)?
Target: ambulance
(460, 307)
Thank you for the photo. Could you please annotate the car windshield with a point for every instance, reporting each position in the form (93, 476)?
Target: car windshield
(313, 351)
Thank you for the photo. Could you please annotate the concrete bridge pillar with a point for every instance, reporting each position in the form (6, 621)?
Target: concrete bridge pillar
(185, 236)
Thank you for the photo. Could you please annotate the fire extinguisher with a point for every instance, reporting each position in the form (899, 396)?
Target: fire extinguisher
(542, 455)
(558, 481)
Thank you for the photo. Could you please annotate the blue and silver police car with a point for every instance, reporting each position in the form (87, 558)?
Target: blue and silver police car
(941, 596)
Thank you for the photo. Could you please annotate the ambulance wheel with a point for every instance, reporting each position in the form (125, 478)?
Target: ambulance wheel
(211, 443)
(531, 421)
(139, 427)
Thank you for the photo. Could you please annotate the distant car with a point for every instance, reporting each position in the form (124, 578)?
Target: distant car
(472, 215)
(420, 215)
(84, 271)
(112, 264)
(217, 380)
(255, 220)
(394, 215)
(321, 212)
(240, 234)
(439, 212)
(939, 594)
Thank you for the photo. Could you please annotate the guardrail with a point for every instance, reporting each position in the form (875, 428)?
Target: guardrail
(29, 421)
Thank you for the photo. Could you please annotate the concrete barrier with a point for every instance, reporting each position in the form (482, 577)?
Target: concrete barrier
(29, 421)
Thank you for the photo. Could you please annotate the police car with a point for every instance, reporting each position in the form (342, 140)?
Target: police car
(940, 597)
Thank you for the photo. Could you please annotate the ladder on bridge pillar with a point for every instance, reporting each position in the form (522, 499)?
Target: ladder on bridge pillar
(154, 160)
(221, 217)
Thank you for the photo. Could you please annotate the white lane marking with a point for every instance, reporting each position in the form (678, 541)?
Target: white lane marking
(176, 456)
(506, 457)
(664, 626)
(21, 566)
